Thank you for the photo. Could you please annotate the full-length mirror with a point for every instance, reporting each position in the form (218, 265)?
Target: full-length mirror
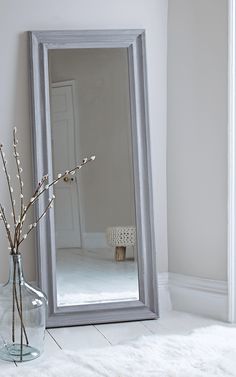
(96, 252)
(95, 230)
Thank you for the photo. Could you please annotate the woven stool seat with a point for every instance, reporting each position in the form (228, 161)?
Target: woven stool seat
(120, 237)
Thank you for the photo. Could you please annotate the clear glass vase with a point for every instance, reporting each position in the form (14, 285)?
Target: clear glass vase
(23, 310)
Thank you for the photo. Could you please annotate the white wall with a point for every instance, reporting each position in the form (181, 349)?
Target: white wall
(16, 17)
(197, 137)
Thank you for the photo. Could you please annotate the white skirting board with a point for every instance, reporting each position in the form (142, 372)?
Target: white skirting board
(164, 300)
(194, 295)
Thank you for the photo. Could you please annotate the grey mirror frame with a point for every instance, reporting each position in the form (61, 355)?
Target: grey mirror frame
(134, 40)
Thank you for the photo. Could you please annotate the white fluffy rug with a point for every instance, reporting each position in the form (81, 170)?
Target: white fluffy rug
(208, 352)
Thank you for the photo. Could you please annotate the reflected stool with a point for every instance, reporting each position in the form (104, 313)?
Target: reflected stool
(120, 237)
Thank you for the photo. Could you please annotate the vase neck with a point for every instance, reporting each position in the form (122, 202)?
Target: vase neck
(16, 270)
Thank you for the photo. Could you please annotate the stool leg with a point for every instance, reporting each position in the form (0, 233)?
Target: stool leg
(120, 253)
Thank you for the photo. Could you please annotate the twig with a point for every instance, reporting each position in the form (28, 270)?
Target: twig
(20, 224)
(8, 183)
(19, 170)
(32, 226)
(13, 305)
(21, 312)
(19, 176)
(6, 224)
(14, 237)
(59, 177)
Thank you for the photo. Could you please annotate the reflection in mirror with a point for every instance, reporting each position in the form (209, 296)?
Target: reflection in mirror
(95, 231)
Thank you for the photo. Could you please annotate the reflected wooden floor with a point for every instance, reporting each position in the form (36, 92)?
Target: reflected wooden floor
(93, 276)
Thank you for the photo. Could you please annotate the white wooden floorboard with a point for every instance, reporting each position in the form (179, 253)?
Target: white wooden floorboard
(72, 338)
(117, 333)
(75, 338)
(179, 323)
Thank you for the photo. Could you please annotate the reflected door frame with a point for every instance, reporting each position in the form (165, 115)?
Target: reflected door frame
(62, 236)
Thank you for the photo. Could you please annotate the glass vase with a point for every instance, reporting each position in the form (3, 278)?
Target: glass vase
(23, 310)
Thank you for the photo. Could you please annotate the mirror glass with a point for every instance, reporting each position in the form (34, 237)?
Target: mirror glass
(95, 230)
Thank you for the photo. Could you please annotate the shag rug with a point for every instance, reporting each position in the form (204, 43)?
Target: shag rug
(207, 352)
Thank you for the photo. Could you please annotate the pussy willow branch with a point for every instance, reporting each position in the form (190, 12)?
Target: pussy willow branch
(16, 155)
(19, 176)
(37, 221)
(8, 183)
(19, 312)
(21, 316)
(85, 161)
(13, 304)
(40, 184)
(20, 224)
(6, 226)
(59, 177)
(15, 238)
